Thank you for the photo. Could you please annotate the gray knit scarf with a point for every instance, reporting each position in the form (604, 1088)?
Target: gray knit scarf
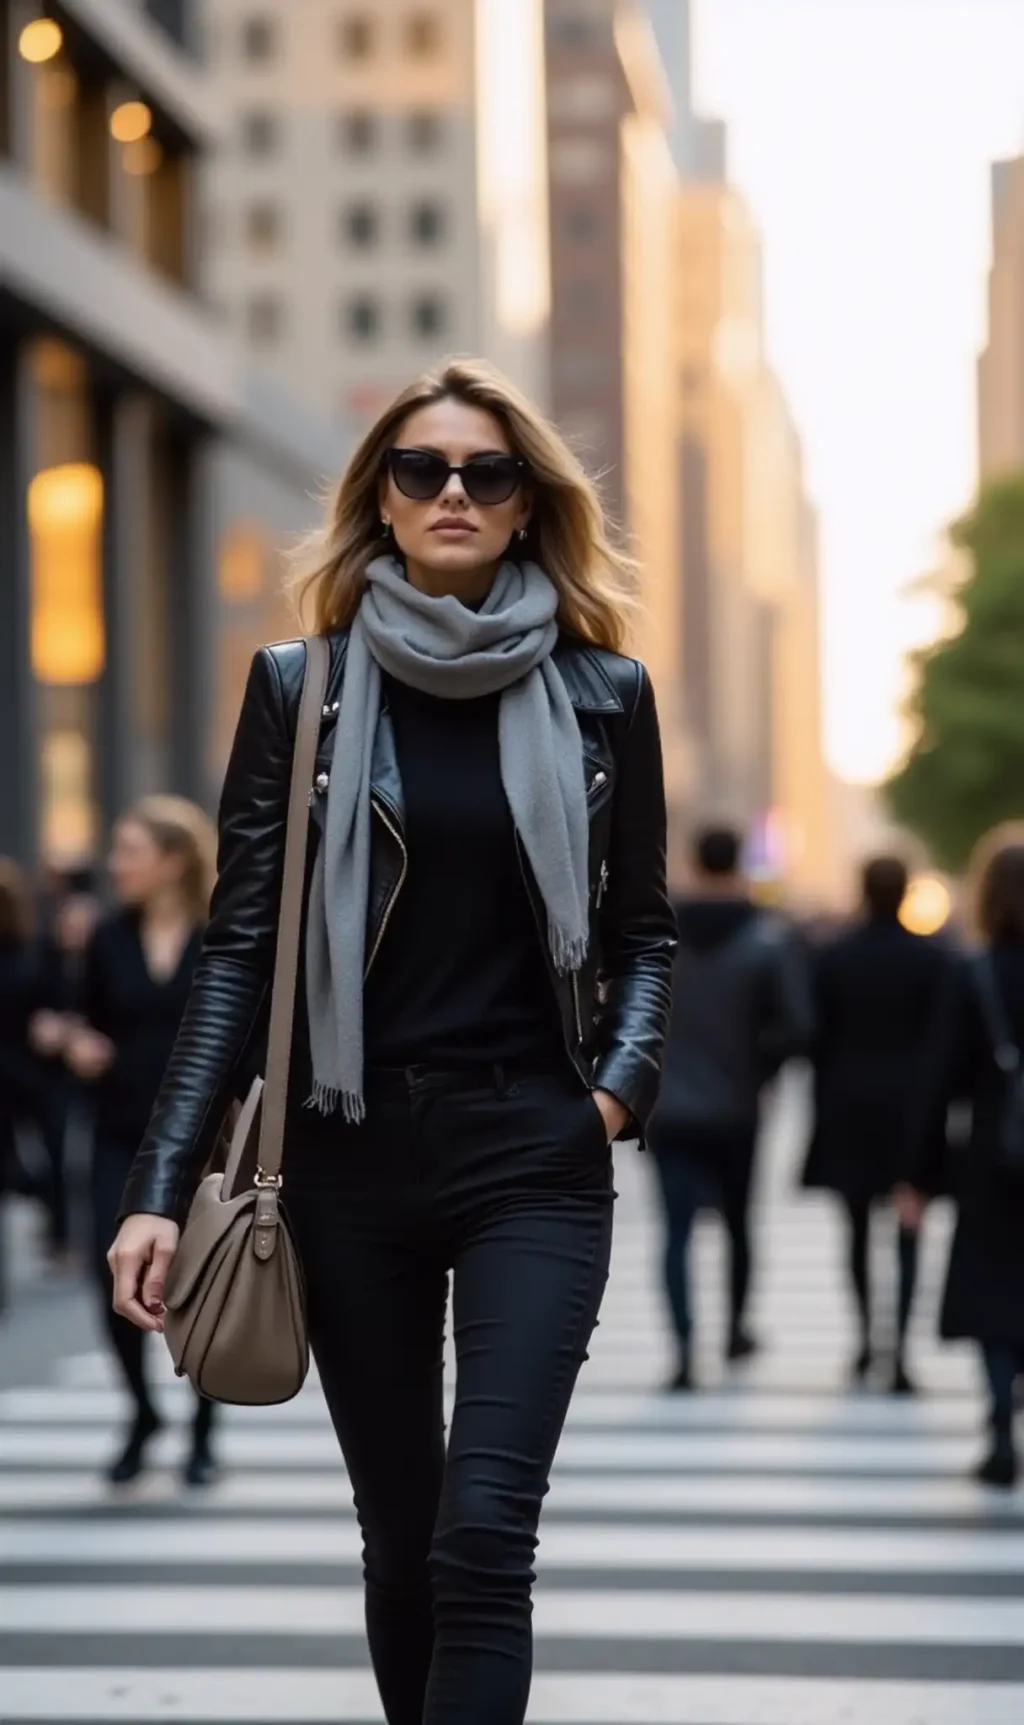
(441, 647)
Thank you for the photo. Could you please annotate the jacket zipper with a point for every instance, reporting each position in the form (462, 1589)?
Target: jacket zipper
(389, 907)
(544, 946)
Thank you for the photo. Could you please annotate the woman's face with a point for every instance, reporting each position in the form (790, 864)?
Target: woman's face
(139, 868)
(450, 535)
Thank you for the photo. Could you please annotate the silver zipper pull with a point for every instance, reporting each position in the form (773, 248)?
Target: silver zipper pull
(602, 884)
(598, 780)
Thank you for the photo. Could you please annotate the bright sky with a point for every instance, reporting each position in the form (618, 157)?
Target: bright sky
(861, 132)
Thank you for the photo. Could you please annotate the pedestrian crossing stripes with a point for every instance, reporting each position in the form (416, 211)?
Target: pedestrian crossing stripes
(775, 1551)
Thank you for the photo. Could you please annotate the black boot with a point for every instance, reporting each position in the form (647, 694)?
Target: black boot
(201, 1467)
(682, 1380)
(1001, 1467)
(901, 1384)
(132, 1459)
(742, 1345)
(861, 1368)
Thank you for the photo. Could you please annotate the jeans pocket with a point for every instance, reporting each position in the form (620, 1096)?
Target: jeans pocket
(597, 1121)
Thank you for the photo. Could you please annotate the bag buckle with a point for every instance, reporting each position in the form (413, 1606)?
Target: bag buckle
(262, 1180)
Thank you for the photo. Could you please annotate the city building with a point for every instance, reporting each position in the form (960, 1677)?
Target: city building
(1001, 365)
(147, 476)
(751, 625)
(379, 198)
(698, 143)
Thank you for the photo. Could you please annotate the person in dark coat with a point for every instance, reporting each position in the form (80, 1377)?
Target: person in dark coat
(876, 987)
(21, 999)
(978, 1028)
(740, 1008)
(138, 971)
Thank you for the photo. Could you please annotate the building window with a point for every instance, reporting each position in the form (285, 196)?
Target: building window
(423, 35)
(263, 319)
(358, 133)
(356, 38)
(259, 133)
(573, 30)
(424, 133)
(259, 40)
(362, 319)
(263, 226)
(429, 316)
(426, 223)
(360, 224)
(581, 225)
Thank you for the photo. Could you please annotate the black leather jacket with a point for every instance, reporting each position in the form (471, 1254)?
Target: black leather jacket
(614, 1013)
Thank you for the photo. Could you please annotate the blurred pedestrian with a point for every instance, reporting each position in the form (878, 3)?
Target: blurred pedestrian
(489, 841)
(21, 998)
(138, 971)
(974, 1058)
(741, 1008)
(876, 987)
(69, 911)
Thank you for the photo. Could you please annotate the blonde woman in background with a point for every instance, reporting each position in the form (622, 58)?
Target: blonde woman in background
(137, 974)
(485, 996)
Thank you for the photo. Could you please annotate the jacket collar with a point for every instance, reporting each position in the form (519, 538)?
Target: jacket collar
(588, 685)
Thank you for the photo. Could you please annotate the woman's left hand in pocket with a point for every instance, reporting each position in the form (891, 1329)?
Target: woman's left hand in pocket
(613, 1112)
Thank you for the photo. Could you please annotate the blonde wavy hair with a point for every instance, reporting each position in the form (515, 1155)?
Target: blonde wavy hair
(567, 535)
(181, 828)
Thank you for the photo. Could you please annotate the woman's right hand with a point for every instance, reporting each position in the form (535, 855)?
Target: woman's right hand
(139, 1260)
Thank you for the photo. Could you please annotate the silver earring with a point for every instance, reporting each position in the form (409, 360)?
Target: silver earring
(521, 534)
(385, 526)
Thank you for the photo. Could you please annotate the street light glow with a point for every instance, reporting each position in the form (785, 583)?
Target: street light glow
(131, 122)
(40, 41)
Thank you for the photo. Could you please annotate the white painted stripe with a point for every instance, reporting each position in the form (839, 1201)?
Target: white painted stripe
(651, 1615)
(731, 1451)
(599, 1547)
(590, 1408)
(659, 1494)
(91, 1696)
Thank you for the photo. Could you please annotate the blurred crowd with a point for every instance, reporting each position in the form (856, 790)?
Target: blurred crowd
(915, 1045)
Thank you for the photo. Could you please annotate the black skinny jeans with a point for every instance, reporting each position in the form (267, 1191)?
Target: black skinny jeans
(504, 1180)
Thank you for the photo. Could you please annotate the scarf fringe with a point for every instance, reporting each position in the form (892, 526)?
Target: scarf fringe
(326, 1099)
(568, 953)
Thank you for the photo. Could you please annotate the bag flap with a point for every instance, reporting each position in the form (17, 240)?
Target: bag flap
(209, 1220)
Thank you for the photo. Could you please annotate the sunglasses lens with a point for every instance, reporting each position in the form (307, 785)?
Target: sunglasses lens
(418, 473)
(491, 480)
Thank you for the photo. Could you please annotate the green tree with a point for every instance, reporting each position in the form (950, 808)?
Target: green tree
(965, 770)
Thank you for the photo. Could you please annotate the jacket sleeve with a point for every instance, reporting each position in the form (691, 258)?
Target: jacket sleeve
(232, 978)
(788, 1026)
(947, 1078)
(638, 929)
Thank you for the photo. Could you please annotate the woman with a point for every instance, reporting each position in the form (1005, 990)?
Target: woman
(876, 987)
(982, 1014)
(137, 974)
(486, 990)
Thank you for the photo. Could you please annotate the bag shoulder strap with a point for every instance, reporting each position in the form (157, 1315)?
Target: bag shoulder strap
(1004, 1045)
(286, 958)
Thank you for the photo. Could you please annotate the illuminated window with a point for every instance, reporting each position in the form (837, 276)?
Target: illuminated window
(259, 40)
(423, 35)
(65, 515)
(356, 38)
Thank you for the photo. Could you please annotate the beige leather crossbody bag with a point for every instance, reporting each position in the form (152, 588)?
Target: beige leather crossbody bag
(235, 1318)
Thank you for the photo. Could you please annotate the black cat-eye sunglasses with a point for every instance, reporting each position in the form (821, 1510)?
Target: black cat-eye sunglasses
(422, 474)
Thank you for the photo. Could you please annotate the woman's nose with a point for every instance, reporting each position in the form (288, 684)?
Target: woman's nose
(454, 491)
